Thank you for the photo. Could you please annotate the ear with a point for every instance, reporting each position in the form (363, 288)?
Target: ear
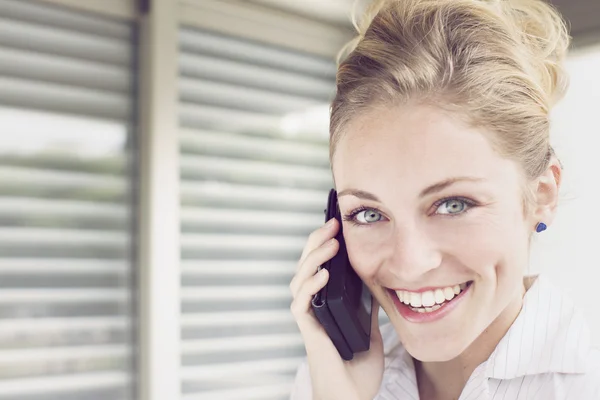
(545, 194)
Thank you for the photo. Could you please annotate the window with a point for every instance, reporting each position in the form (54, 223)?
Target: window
(254, 182)
(66, 105)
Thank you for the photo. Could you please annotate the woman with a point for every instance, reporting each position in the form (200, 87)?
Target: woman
(441, 157)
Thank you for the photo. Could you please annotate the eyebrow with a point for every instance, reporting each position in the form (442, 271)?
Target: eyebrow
(437, 187)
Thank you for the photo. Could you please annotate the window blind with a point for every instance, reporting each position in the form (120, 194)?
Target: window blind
(254, 183)
(65, 217)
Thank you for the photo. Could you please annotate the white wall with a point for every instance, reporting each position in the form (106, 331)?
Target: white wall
(569, 251)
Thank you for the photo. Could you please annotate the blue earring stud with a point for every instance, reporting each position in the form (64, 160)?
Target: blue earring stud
(541, 227)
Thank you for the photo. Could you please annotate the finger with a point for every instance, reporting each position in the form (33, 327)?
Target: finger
(301, 305)
(313, 261)
(318, 237)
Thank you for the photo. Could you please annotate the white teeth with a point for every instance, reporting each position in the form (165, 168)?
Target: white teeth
(415, 300)
(428, 298)
(426, 301)
(439, 296)
(406, 298)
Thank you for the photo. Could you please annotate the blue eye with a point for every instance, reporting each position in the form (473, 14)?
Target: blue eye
(364, 216)
(452, 206)
(368, 216)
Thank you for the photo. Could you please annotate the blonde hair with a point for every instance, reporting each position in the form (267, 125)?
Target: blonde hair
(498, 63)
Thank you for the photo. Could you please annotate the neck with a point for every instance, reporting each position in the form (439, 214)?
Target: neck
(447, 379)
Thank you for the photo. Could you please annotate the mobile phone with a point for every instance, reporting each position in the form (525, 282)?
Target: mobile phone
(343, 306)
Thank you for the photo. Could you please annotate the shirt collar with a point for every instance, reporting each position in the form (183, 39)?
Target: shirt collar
(549, 335)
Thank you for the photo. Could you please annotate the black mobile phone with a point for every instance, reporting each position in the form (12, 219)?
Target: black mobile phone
(343, 306)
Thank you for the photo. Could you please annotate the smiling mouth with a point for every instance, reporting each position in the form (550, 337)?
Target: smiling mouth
(430, 300)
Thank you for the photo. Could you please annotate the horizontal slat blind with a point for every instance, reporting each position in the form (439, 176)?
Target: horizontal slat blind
(65, 215)
(255, 176)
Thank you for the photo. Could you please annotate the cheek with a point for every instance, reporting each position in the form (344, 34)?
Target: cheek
(481, 241)
(366, 251)
(476, 247)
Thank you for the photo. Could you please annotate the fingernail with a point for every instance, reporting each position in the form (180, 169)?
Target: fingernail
(330, 242)
(329, 223)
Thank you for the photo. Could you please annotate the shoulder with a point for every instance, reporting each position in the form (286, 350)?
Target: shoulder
(593, 365)
(587, 385)
(584, 385)
(590, 380)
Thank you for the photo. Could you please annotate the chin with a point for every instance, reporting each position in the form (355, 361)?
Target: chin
(439, 344)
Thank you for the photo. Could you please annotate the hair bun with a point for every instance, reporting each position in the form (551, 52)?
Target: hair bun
(542, 31)
(535, 24)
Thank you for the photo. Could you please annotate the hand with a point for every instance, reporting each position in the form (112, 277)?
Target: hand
(332, 377)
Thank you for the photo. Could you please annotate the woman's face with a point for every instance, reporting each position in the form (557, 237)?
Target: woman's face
(430, 210)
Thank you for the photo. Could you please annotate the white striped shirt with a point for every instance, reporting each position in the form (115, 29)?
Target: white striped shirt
(545, 355)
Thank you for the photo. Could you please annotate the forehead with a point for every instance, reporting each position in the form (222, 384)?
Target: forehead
(414, 145)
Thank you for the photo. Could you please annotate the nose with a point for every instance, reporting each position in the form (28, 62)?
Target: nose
(415, 253)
